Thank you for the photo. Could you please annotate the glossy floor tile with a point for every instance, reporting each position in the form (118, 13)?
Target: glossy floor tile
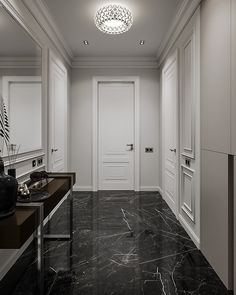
(124, 243)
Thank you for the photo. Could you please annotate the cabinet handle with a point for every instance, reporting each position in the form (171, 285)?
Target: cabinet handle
(54, 150)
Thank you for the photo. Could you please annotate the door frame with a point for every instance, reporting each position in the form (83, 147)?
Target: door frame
(53, 58)
(174, 57)
(123, 79)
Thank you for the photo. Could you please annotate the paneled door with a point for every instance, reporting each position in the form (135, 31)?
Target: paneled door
(58, 115)
(116, 136)
(170, 95)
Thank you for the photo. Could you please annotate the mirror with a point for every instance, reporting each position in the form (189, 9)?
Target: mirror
(20, 85)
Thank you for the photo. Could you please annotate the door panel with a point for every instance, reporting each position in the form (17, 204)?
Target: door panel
(188, 192)
(170, 129)
(116, 132)
(58, 115)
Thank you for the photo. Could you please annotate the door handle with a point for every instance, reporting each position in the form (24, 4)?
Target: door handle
(173, 150)
(54, 150)
(131, 146)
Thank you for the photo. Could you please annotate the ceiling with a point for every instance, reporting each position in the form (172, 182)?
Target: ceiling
(13, 34)
(75, 20)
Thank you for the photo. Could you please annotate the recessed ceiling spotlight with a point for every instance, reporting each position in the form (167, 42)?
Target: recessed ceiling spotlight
(141, 42)
(113, 19)
(86, 42)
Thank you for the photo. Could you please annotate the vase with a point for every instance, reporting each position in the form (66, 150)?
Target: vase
(12, 172)
(8, 192)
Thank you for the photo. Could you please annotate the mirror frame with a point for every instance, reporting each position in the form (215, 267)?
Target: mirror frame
(15, 15)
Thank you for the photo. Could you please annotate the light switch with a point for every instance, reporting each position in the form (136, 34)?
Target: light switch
(149, 150)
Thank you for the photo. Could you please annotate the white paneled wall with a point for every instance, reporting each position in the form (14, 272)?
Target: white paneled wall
(188, 113)
(189, 51)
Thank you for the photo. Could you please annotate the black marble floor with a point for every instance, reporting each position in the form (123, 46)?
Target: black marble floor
(124, 243)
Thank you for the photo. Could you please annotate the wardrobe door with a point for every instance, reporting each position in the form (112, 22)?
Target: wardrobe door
(215, 75)
(233, 77)
(215, 229)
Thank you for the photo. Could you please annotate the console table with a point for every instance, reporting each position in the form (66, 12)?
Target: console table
(18, 230)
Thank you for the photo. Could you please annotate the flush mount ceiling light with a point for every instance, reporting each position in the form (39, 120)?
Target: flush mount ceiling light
(113, 19)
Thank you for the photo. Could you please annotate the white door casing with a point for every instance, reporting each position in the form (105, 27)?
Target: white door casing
(116, 132)
(114, 166)
(57, 114)
(189, 65)
(170, 132)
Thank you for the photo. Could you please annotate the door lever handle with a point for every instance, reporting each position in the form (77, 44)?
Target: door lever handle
(173, 150)
(131, 146)
(54, 150)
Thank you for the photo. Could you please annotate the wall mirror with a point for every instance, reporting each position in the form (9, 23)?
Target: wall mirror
(20, 84)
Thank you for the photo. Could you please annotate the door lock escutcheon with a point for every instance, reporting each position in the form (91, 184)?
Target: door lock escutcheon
(131, 146)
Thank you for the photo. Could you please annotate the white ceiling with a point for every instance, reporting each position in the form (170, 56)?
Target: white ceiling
(17, 43)
(75, 20)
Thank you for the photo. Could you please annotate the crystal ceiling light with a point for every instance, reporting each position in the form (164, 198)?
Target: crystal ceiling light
(113, 19)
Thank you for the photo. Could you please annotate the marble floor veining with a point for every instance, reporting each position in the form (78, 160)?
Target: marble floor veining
(124, 243)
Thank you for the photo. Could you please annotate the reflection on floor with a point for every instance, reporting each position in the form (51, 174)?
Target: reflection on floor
(124, 243)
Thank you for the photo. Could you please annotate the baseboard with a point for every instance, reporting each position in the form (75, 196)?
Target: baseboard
(79, 188)
(150, 189)
(190, 232)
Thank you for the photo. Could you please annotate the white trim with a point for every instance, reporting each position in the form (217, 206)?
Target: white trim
(38, 9)
(6, 80)
(183, 15)
(20, 62)
(23, 159)
(135, 80)
(28, 172)
(44, 9)
(78, 188)
(189, 212)
(145, 188)
(190, 232)
(115, 62)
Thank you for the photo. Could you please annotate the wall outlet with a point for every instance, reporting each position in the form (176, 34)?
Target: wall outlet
(39, 161)
(187, 162)
(149, 150)
(34, 163)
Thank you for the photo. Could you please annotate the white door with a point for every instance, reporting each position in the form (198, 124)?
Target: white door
(116, 136)
(170, 94)
(58, 115)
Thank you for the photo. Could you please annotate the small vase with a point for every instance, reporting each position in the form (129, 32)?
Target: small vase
(8, 192)
(12, 172)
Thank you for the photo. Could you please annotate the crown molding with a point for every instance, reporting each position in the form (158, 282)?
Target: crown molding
(183, 15)
(117, 62)
(42, 15)
(20, 62)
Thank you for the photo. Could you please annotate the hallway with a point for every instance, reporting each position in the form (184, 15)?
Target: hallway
(124, 243)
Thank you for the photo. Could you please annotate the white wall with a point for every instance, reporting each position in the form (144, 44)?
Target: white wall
(81, 123)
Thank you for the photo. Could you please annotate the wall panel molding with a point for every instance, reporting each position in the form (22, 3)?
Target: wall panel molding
(116, 62)
(188, 192)
(19, 62)
(188, 96)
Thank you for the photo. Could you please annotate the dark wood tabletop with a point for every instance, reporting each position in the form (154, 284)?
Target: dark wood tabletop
(16, 229)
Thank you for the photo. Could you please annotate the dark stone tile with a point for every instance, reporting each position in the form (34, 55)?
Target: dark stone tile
(124, 243)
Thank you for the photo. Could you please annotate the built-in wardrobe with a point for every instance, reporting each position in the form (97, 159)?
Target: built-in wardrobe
(218, 136)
